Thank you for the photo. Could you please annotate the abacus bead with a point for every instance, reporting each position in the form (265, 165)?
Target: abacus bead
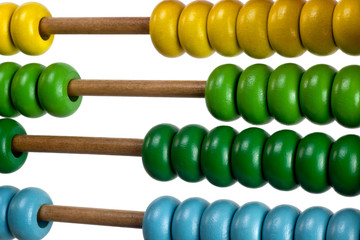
(246, 156)
(345, 96)
(283, 27)
(158, 217)
(220, 92)
(344, 165)
(251, 94)
(25, 30)
(192, 29)
(7, 193)
(315, 93)
(279, 159)
(215, 156)
(186, 220)
(312, 224)
(283, 93)
(279, 223)
(23, 211)
(156, 152)
(345, 224)
(346, 32)
(316, 26)
(251, 28)
(52, 90)
(24, 90)
(311, 162)
(216, 220)
(7, 46)
(221, 27)
(9, 161)
(248, 221)
(7, 72)
(185, 152)
(163, 28)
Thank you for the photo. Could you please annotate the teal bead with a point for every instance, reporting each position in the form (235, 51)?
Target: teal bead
(315, 92)
(246, 157)
(7, 72)
(24, 90)
(311, 162)
(344, 165)
(220, 92)
(251, 94)
(345, 96)
(279, 159)
(283, 93)
(52, 90)
(215, 156)
(185, 152)
(156, 152)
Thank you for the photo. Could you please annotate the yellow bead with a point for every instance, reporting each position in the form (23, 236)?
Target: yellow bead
(346, 28)
(7, 46)
(316, 26)
(192, 29)
(221, 27)
(251, 27)
(25, 29)
(283, 27)
(164, 28)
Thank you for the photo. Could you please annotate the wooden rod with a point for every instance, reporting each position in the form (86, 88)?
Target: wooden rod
(112, 25)
(94, 216)
(81, 145)
(138, 88)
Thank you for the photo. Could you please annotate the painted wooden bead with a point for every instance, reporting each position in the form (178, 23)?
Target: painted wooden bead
(345, 224)
(7, 46)
(7, 193)
(7, 72)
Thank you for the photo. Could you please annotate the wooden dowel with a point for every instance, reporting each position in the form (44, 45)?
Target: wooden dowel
(138, 88)
(94, 216)
(81, 145)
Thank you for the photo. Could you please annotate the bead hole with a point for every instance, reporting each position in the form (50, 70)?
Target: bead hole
(42, 224)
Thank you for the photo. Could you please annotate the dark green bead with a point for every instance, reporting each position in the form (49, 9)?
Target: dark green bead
(283, 93)
(156, 152)
(215, 156)
(279, 159)
(315, 92)
(251, 94)
(7, 72)
(344, 165)
(185, 152)
(220, 92)
(246, 157)
(311, 162)
(345, 96)
(9, 161)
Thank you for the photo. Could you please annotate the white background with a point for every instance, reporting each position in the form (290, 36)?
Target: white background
(121, 182)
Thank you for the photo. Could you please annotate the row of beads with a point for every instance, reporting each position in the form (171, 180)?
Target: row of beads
(194, 219)
(287, 93)
(33, 89)
(259, 27)
(253, 158)
(20, 29)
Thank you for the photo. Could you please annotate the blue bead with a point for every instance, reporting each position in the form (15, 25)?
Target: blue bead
(22, 214)
(345, 224)
(216, 220)
(158, 217)
(186, 220)
(248, 221)
(312, 224)
(6, 194)
(279, 223)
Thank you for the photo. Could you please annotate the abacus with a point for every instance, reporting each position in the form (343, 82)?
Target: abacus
(259, 28)
(29, 213)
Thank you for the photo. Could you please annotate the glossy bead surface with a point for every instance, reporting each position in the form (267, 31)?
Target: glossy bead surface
(246, 157)
(215, 156)
(279, 159)
(345, 224)
(7, 193)
(220, 92)
(7, 72)
(7, 46)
